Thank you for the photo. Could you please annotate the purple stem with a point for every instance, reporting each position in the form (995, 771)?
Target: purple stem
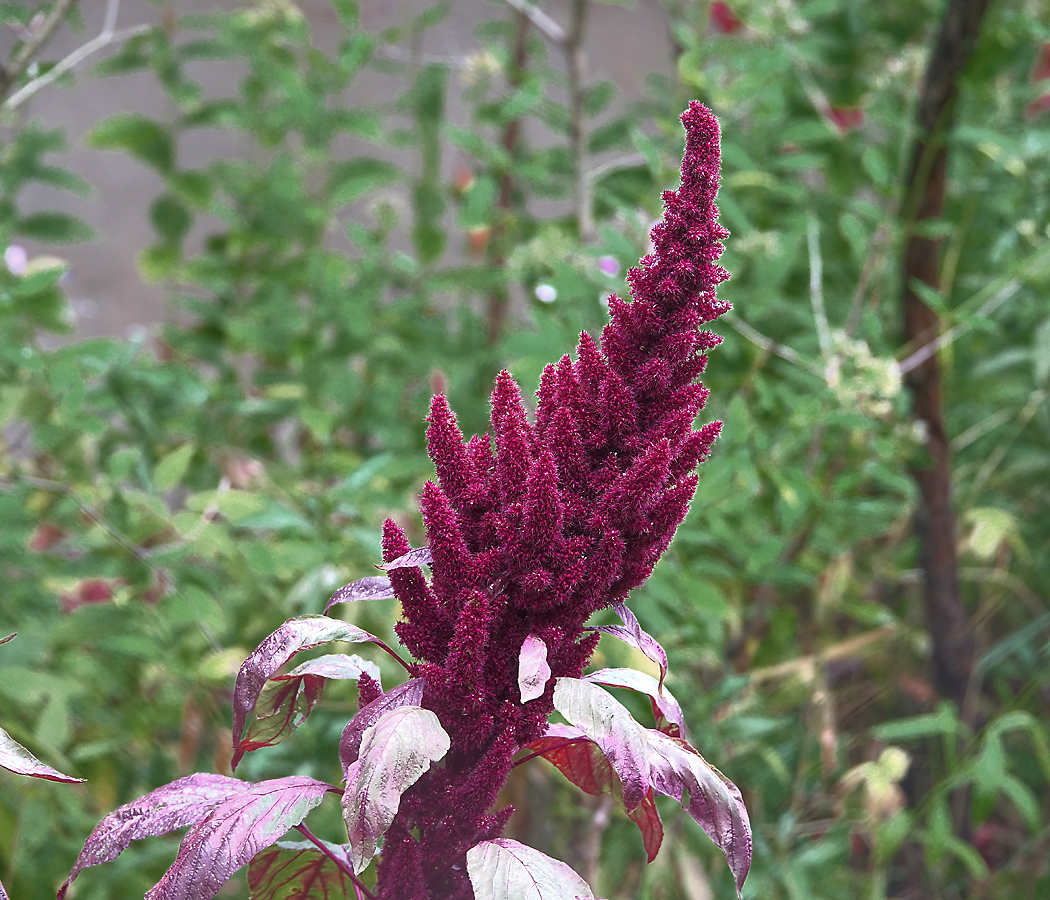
(359, 888)
(394, 654)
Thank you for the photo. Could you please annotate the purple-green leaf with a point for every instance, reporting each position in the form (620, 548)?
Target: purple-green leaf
(394, 753)
(410, 560)
(581, 760)
(408, 694)
(374, 587)
(665, 708)
(283, 706)
(533, 670)
(232, 832)
(15, 758)
(506, 870)
(714, 801)
(607, 722)
(175, 805)
(296, 634)
(299, 871)
(631, 632)
(287, 700)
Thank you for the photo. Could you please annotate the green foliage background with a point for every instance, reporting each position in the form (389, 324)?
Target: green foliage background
(216, 478)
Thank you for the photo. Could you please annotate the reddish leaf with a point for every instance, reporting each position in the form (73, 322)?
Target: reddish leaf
(286, 700)
(584, 764)
(722, 18)
(408, 694)
(714, 801)
(607, 722)
(175, 805)
(9, 637)
(631, 632)
(533, 670)
(394, 753)
(282, 707)
(232, 832)
(374, 587)
(506, 870)
(666, 710)
(412, 559)
(15, 758)
(294, 635)
(297, 871)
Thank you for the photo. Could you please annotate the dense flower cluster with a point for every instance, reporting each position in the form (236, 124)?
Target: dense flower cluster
(541, 525)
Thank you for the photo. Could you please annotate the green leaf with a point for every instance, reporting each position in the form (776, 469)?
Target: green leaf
(158, 262)
(1041, 352)
(354, 178)
(598, 97)
(612, 135)
(928, 295)
(171, 469)
(135, 134)
(54, 228)
(943, 722)
(170, 218)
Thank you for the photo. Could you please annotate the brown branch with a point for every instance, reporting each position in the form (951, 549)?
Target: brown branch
(13, 68)
(496, 307)
(925, 191)
(575, 65)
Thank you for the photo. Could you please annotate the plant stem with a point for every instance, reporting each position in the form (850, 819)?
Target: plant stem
(10, 71)
(343, 867)
(496, 307)
(935, 519)
(575, 61)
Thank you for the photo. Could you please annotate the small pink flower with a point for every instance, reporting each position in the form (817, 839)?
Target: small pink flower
(546, 293)
(609, 265)
(16, 259)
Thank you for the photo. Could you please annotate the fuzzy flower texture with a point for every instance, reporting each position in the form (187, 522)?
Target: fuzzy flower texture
(536, 529)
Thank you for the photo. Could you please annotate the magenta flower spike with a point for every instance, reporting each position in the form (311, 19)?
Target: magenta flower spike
(563, 519)
(530, 532)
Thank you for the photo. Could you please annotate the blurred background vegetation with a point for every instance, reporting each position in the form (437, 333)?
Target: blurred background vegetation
(169, 499)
